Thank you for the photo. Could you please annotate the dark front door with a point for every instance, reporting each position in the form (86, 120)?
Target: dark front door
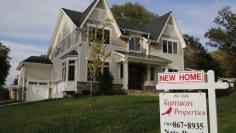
(135, 76)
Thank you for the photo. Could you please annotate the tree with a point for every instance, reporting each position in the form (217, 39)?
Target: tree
(4, 63)
(196, 56)
(98, 51)
(223, 37)
(134, 13)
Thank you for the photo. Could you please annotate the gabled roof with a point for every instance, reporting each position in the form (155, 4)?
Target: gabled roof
(154, 28)
(78, 17)
(38, 59)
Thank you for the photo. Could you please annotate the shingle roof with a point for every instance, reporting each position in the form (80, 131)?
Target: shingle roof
(78, 17)
(38, 59)
(154, 28)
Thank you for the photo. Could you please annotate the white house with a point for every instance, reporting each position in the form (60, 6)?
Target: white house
(138, 53)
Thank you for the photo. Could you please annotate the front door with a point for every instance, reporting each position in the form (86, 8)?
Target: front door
(135, 76)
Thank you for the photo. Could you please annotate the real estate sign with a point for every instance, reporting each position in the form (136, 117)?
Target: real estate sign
(176, 108)
(183, 113)
(178, 77)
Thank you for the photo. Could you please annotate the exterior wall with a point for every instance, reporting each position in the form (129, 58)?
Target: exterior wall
(66, 27)
(38, 72)
(177, 60)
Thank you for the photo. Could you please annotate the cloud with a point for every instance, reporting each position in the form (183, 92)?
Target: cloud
(18, 53)
(34, 19)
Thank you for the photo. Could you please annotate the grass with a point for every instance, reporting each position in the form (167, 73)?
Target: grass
(116, 114)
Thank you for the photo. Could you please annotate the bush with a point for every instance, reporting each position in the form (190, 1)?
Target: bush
(106, 80)
(85, 92)
(4, 93)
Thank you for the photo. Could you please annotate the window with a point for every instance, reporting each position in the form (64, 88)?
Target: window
(152, 73)
(169, 47)
(105, 68)
(172, 70)
(64, 71)
(164, 45)
(121, 71)
(134, 43)
(99, 34)
(33, 83)
(71, 69)
(42, 83)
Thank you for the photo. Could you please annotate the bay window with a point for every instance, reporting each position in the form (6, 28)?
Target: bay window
(68, 70)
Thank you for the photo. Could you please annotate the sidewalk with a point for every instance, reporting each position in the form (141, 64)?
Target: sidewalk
(9, 104)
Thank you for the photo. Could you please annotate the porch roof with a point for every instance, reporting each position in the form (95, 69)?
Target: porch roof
(143, 58)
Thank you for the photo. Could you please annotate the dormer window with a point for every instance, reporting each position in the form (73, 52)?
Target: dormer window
(101, 35)
(134, 43)
(169, 47)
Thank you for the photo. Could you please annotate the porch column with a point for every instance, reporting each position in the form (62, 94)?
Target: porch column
(126, 74)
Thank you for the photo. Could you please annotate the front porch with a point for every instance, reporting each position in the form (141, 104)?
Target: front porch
(140, 76)
(140, 70)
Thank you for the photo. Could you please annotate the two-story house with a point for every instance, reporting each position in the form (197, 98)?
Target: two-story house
(138, 52)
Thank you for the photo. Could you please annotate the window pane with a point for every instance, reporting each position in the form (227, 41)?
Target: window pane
(121, 71)
(175, 47)
(99, 35)
(106, 67)
(137, 43)
(131, 43)
(107, 36)
(152, 73)
(91, 33)
(71, 74)
(164, 46)
(134, 43)
(169, 47)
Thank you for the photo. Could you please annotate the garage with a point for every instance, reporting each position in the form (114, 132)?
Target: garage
(37, 91)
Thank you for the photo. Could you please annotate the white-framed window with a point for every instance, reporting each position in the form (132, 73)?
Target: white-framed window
(134, 43)
(102, 35)
(105, 67)
(68, 70)
(71, 70)
(169, 47)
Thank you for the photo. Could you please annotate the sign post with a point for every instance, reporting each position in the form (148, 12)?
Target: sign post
(193, 80)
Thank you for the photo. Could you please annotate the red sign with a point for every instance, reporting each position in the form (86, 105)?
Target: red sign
(185, 76)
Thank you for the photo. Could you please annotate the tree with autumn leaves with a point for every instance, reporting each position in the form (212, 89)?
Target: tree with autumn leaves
(223, 37)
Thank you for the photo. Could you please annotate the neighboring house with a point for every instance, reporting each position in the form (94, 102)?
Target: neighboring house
(138, 52)
(34, 79)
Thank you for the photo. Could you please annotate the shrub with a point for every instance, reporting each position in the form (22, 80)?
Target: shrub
(106, 80)
(85, 92)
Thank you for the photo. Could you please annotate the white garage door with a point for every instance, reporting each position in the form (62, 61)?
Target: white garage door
(37, 91)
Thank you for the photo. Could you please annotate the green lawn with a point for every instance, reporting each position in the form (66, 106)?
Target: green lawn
(113, 114)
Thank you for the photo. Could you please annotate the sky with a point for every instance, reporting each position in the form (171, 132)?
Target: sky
(26, 26)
